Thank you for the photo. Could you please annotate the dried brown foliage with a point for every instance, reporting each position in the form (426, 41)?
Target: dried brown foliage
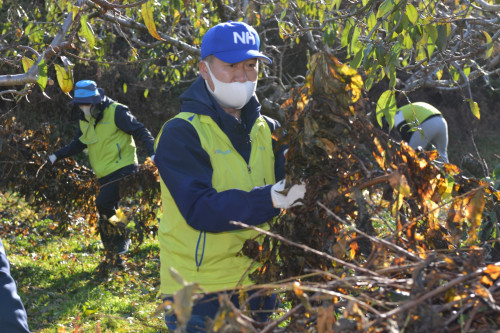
(67, 190)
(386, 239)
(142, 190)
(58, 191)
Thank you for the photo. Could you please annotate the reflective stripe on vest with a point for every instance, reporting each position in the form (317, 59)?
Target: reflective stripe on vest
(211, 258)
(114, 148)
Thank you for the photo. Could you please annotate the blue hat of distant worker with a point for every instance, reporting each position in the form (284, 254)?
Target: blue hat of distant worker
(232, 42)
(86, 92)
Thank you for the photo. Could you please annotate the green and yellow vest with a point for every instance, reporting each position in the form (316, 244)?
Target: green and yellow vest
(418, 112)
(210, 258)
(114, 149)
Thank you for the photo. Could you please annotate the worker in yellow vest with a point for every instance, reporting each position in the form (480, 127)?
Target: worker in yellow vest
(217, 164)
(107, 129)
(421, 124)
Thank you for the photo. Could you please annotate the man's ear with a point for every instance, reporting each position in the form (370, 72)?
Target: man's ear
(202, 67)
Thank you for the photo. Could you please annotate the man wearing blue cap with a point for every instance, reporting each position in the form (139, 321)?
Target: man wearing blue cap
(108, 130)
(217, 164)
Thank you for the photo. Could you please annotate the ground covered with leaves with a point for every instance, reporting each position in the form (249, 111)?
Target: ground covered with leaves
(57, 279)
(48, 226)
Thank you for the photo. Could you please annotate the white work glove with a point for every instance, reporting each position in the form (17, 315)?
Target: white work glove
(280, 200)
(52, 158)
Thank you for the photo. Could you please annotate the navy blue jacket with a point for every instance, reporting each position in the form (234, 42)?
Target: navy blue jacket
(13, 318)
(185, 167)
(124, 120)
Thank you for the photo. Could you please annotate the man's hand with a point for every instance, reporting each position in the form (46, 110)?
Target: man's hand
(52, 158)
(295, 193)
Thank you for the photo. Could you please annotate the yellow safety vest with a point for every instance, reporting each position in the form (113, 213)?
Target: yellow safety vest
(114, 149)
(181, 246)
(418, 111)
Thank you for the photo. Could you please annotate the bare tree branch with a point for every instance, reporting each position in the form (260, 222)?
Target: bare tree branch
(31, 76)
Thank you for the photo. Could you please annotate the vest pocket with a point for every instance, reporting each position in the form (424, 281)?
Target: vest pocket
(119, 151)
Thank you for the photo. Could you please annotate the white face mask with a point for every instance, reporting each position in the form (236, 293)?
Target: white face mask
(232, 95)
(86, 110)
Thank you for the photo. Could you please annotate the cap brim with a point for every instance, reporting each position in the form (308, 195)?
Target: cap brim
(233, 57)
(96, 99)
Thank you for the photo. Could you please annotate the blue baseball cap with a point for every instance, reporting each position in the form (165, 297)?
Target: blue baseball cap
(86, 92)
(232, 42)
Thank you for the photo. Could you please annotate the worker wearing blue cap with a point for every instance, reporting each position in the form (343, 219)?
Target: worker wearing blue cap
(108, 130)
(217, 164)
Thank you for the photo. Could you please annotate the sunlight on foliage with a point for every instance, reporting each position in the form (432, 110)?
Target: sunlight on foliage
(340, 230)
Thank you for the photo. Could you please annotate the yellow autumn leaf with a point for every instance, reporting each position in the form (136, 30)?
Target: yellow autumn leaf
(460, 297)
(450, 263)
(177, 17)
(329, 147)
(118, 217)
(64, 78)
(439, 74)
(481, 291)
(486, 280)
(474, 107)
(27, 63)
(493, 271)
(475, 212)
(74, 11)
(297, 289)
(147, 16)
(353, 249)
(489, 45)
(399, 183)
(135, 54)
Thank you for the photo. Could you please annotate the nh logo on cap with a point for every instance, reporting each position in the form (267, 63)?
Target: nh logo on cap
(245, 37)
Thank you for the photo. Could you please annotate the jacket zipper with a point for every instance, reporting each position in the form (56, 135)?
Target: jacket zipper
(119, 151)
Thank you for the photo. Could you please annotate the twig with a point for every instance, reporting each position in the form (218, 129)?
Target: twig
(341, 295)
(472, 315)
(275, 323)
(373, 239)
(371, 182)
(458, 313)
(425, 297)
(40, 168)
(481, 160)
(444, 203)
(306, 248)
(398, 268)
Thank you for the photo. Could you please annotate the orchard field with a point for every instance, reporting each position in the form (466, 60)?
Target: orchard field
(387, 240)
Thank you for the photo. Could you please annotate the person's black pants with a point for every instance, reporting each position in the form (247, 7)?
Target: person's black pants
(113, 237)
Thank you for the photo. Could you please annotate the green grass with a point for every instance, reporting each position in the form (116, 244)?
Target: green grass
(486, 144)
(60, 288)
